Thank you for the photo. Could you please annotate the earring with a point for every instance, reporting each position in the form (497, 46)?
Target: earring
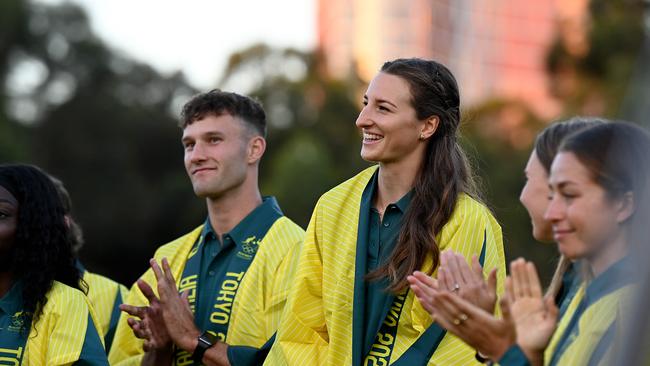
(421, 136)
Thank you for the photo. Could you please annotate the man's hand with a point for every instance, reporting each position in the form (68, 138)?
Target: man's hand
(175, 308)
(151, 327)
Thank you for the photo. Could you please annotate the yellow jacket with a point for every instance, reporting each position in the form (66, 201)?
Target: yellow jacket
(317, 326)
(62, 330)
(597, 324)
(258, 304)
(106, 296)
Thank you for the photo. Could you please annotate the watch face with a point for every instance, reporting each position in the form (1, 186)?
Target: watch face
(208, 338)
(205, 341)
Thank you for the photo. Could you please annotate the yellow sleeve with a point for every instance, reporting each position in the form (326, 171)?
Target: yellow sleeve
(260, 301)
(283, 279)
(102, 293)
(61, 330)
(302, 337)
(126, 348)
(470, 230)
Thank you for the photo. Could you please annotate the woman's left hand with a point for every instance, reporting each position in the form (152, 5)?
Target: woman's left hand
(475, 326)
(455, 275)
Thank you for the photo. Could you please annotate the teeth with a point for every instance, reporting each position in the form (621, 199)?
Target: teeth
(371, 136)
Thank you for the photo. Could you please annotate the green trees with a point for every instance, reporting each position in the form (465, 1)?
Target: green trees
(106, 125)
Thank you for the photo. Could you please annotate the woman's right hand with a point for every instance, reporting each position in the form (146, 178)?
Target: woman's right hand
(535, 318)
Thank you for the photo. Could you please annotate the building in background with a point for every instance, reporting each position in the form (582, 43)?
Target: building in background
(496, 48)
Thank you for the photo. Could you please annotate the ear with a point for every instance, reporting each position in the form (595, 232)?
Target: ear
(625, 207)
(256, 148)
(429, 127)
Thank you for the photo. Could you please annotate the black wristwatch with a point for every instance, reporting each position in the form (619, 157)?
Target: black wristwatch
(205, 341)
(480, 358)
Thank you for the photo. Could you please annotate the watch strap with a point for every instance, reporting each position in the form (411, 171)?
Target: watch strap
(205, 341)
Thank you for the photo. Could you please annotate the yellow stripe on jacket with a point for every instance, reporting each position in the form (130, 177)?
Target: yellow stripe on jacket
(259, 302)
(61, 328)
(592, 325)
(317, 324)
(102, 292)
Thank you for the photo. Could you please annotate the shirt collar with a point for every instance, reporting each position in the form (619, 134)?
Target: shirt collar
(262, 215)
(402, 204)
(79, 266)
(12, 301)
(613, 278)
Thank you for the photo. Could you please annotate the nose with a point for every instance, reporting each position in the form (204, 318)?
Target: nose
(197, 154)
(555, 209)
(363, 120)
(522, 195)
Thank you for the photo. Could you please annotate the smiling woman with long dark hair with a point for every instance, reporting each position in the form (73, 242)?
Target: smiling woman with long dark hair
(45, 318)
(350, 302)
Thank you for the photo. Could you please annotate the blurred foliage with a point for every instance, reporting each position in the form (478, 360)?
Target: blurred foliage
(596, 79)
(313, 143)
(106, 125)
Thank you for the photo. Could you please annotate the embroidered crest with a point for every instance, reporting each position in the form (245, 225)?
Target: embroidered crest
(17, 321)
(249, 247)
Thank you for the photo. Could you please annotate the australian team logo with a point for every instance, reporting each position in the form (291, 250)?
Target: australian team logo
(249, 247)
(17, 321)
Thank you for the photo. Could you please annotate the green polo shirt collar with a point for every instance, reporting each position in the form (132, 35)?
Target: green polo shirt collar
(263, 215)
(403, 203)
(12, 301)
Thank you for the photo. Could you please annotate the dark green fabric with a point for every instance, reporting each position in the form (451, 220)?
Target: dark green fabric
(217, 261)
(570, 284)
(375, 243)
(92, 352)
(514, 356)
(359, 304)
(215, 256)
(14, 326)
(115, 316)
(250, 356)
(382, 239)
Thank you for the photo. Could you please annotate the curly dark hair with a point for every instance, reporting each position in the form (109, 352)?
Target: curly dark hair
(217, 103)
(41, 252)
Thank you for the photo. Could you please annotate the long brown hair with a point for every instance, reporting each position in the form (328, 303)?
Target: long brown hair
(444, 174)
(547, 145)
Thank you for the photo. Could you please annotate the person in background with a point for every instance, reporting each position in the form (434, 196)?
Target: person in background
(534, 197)
(45, 316)
(105, 294)
(599, 192)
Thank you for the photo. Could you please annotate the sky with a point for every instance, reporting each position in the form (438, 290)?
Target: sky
(198, 36)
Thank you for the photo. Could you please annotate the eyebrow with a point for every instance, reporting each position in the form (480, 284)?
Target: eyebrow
(562, 184)
(379, 101)
(203, 135)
